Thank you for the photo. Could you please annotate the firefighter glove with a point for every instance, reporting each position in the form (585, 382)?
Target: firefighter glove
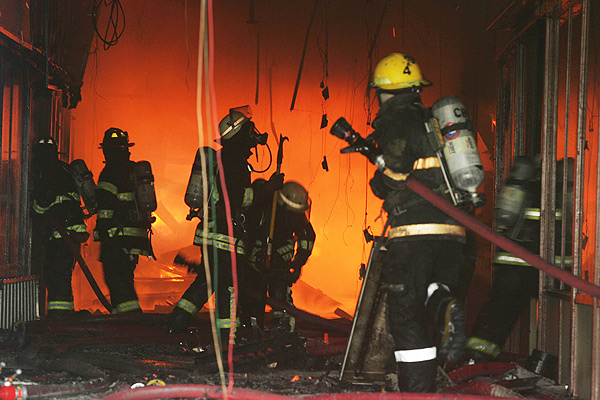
(294, 274)
(276, 181)
(79, 237)
(378, 186)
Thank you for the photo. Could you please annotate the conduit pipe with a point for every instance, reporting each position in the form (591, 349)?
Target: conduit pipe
(487, 233)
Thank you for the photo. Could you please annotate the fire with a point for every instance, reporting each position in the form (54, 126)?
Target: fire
(147, 86)
(295, 378)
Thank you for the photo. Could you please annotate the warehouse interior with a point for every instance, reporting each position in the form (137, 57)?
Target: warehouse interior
(167, 71)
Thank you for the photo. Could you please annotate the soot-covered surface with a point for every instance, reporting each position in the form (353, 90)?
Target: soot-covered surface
(103, 356)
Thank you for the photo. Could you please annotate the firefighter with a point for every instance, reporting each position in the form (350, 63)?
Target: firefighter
(238, 136)
(57, 200)
(514, 281)
(424, 246)
(121, 228)
(293, 241)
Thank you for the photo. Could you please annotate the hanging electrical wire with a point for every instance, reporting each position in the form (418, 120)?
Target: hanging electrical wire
(252, 21)
(214, 126)
(115, 25)
(368, 103)
(324, 54)
(203, 59)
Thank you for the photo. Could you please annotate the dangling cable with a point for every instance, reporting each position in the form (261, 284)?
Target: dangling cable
(270, 161)
(225, 193)
(312, 17)
(202, 59)
(116, 14)
(368, 101)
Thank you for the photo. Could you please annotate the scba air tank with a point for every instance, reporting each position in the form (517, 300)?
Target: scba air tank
(145, 195)
(194, 194)
(515, 194)
(85, 184)
(460, 146)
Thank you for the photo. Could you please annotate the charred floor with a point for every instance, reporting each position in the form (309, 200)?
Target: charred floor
(129, 356)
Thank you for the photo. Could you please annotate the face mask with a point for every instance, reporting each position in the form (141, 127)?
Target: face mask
(260, 138)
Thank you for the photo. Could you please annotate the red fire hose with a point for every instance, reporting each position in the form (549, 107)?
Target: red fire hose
(215, 392)
(191, 392)
(503, 242)
(468, 372)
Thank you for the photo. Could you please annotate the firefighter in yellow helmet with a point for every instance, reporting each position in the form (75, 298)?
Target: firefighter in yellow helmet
(424, 247)
(57, 200)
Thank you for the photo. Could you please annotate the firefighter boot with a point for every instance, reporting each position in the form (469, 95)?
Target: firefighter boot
(449, 317)
(178, 321)
(417, 377)
(480, 350)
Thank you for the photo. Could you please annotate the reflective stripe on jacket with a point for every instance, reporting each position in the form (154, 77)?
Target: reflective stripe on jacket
(71, 215)
(118, 223)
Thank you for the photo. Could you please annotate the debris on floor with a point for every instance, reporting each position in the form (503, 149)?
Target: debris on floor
(107, 356)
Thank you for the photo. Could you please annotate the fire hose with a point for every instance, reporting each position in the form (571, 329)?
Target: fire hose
(499, 240)
(86, 271)
(215, 392)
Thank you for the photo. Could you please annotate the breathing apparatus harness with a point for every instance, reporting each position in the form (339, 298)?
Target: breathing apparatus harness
(116, 142)
(453, 145)
(196, 187)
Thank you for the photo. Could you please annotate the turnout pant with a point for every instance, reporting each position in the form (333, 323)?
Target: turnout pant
(409, 269)
(119, 270)
(512, 288)
(222, 283)
(58, 269)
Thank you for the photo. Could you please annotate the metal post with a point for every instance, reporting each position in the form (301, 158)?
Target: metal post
(499, 154)
(595, 310)
(25, 236)
(548, 195)
(519, 141)
(7, 250)
(579, 180)
(595, 369)
(2, 86)
(561, 330)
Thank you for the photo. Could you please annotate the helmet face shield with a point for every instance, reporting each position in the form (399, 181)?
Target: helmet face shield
(239, 119)
(232, 123)
(260, 138)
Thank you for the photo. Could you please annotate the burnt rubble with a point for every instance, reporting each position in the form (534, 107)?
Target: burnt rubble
(101, 356)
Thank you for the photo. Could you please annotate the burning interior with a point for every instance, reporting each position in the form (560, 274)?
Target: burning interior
(167, 72)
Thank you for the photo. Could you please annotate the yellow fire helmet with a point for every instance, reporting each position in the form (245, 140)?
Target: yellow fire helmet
(398, 71)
